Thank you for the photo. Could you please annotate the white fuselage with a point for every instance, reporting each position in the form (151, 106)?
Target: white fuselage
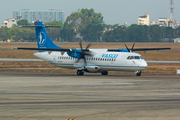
(101, 60)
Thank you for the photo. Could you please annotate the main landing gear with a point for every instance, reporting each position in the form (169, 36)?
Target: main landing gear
(104, 73)
(138, 73)
(80, 72)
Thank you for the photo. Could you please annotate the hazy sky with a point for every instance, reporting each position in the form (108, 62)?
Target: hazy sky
(113, 11)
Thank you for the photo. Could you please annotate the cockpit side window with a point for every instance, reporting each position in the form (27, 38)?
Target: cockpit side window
(137, 57)
(132, 57)
(141, 57)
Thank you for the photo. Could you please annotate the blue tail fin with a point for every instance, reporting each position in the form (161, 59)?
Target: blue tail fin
(43, 40)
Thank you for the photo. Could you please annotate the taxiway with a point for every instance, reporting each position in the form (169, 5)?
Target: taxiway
(56, 96)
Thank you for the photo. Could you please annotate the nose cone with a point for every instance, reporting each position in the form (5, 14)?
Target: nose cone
(144, 64)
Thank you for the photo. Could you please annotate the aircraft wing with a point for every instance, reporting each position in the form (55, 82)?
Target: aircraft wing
(47, 26)
(43, 49)
(149, 49)
(87, 50)
(137, 49)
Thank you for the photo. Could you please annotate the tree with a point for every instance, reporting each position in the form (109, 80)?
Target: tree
(107, 36)
(54, 33)
(55, 23)
(77, 21)
(3, 35)
(177, 32)
(23, 22)
(136, 33)
(169, 32)
(96, 18)
(67, 34)
(119, 34)
(92, 32)
(13, 31)
(156, 33)
(25, 34)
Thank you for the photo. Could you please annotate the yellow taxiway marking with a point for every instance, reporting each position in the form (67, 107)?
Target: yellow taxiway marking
(28, 117)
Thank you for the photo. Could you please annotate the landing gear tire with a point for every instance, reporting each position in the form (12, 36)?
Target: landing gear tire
(138, 73)
(80, 72)
(104, 73)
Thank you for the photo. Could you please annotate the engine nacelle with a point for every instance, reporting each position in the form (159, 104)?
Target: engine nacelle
(92, 69)
(75, 53)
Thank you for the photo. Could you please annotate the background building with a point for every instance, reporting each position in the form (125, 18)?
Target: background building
(143, 20)
(49, 15)
(9, 23)
(164, 22)
(177, 40)
(153, 22)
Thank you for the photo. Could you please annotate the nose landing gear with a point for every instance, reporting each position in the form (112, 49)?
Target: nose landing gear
(138, 73)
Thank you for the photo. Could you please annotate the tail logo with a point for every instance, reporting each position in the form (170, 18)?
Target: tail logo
(42, 39)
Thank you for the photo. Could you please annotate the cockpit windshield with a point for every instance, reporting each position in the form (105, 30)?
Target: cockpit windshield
(134, 57)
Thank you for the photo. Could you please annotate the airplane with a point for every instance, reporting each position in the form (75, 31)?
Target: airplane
(87, 60)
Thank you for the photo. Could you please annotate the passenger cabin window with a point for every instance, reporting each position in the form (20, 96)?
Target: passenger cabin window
(134, 57)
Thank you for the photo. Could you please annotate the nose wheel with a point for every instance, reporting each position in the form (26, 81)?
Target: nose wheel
(138, 73)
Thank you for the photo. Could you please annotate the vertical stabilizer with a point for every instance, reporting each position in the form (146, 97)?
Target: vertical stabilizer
(43, 40)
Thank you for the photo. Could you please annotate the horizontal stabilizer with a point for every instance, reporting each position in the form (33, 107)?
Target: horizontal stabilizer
(52, 26)
(31, 26)
(48, 26)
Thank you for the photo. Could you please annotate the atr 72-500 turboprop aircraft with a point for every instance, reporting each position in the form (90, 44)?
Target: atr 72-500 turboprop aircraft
(88, 60)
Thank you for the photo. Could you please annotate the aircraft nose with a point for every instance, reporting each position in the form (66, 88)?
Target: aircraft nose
(144, 64)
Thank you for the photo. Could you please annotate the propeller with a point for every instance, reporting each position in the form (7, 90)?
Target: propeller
(83, 52)
(133, 46)
(127, 47)
(130, 50)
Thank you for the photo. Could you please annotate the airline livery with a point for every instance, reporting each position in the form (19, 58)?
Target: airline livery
(88, 60)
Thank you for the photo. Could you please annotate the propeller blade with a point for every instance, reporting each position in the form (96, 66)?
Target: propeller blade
(133, 46)
(85, 63)
(80, 44)
(77, 60)
(83, 53)
(127, 47)
(88, 45)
